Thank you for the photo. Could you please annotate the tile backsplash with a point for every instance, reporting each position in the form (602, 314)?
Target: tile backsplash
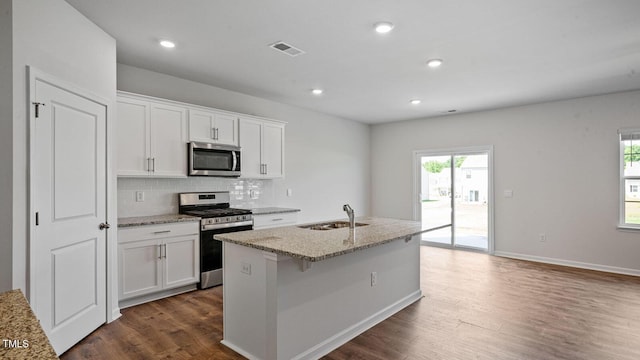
(161, 195)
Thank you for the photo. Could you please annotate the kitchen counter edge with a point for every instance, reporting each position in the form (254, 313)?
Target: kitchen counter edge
(272, 210)
(155, 220)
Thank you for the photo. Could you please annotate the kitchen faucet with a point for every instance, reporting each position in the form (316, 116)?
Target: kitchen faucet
(351, 215)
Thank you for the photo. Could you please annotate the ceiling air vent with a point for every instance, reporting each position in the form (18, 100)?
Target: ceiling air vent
(287, 49)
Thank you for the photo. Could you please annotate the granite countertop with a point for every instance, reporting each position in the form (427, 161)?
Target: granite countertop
(317, 245)
(272, 210)
(155, 220)
(21, 335)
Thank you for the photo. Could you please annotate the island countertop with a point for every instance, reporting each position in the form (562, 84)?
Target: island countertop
(317, 245)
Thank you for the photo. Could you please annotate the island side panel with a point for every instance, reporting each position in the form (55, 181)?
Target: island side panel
(245, 300)
(333, 301)
(278, 311)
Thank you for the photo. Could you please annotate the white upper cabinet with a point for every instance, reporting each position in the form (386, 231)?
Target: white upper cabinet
(262, 143)
(151, 138)
(213, 127)
(168, 140)
(153, 134)
(133, 137)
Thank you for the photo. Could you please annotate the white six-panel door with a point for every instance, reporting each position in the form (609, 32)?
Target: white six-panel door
(68, 178)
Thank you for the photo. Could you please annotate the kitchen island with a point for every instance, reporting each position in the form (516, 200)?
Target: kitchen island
(299, 292)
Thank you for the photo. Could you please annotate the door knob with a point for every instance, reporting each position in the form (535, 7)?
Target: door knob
(104, 226)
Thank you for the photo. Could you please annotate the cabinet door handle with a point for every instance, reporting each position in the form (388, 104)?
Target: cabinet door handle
(153, 162)
(213, 133)
(160, 251)
(266, 169)
(217, 134)
(148, 164)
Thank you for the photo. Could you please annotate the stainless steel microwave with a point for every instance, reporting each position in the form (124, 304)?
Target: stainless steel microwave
(213, 160)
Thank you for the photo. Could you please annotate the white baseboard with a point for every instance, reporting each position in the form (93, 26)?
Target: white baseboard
(123, 304)
(115, 315)
(570, 263)
(237, 349)
(351, 332)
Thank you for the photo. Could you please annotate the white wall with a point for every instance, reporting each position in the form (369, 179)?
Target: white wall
(53, 37)
(6, 147)
(326, 158)
(560, 159)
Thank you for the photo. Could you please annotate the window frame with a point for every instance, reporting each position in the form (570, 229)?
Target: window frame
(622, 224)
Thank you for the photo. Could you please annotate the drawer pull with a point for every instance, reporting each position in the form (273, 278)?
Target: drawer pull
(162, 232)
(278, 219)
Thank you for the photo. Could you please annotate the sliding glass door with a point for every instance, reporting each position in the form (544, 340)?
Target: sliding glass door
(454, 198)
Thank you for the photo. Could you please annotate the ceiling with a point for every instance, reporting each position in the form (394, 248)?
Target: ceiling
(497, 53)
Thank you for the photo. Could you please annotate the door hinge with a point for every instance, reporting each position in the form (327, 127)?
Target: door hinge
(37, 218)
(37, 104)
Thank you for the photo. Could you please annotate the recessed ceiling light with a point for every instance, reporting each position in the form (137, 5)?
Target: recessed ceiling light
(383, 27)
(168, 44)
(317, 91)
(415, 101)
(434, 63)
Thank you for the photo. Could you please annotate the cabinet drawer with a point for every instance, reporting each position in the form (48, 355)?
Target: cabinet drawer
(274, 220)
(143, 232)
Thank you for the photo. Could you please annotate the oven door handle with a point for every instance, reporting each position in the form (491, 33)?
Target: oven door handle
(227, 225)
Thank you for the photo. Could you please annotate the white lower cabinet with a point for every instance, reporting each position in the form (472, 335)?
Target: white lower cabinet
(154, 259)
(274, 220)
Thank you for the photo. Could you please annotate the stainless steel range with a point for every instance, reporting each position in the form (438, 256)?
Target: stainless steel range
(217, 218)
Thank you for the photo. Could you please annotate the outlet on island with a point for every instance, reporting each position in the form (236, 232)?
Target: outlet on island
(246, 268)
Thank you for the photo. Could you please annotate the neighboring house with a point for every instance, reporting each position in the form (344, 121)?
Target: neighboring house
(473, 176)
(632, 186)
(471, 181)
(436, 185)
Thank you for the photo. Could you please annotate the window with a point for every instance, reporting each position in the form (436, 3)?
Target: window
(630, 178)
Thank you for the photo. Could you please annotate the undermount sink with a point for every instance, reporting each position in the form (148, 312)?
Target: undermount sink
(330, 225)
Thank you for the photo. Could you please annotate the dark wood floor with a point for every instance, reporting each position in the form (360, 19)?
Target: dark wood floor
(475, 307)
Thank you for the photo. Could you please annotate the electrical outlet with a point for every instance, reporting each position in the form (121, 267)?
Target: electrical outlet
(374, 278)
(289, 192)
(543, 237)
(139, 196)
(246, 268)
